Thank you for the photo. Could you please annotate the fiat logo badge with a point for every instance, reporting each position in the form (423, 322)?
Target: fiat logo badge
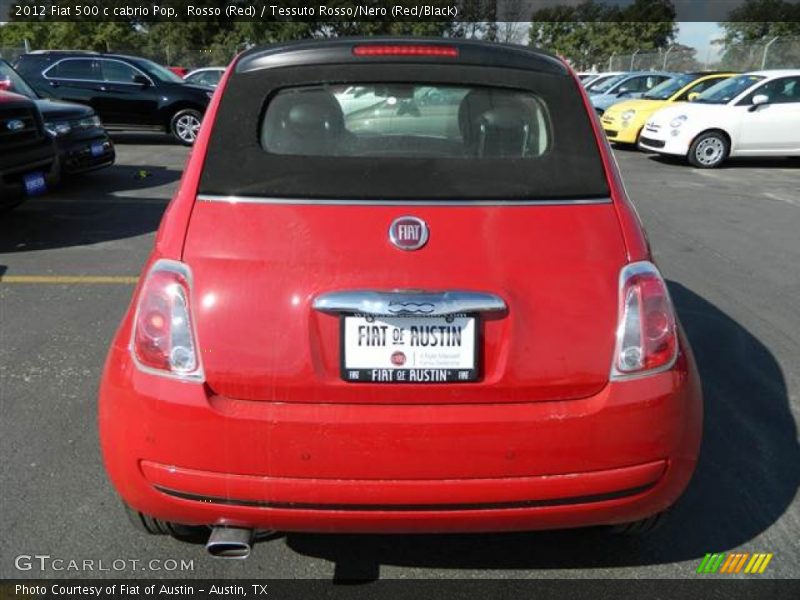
(408, 233)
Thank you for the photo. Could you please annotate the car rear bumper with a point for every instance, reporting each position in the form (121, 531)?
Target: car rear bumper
(177, 452)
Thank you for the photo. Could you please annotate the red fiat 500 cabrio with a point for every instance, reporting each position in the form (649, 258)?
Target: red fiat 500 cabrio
(400, 289)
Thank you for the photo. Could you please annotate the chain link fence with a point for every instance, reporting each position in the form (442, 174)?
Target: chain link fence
(189, 58)
(771, 53)
(11, 53)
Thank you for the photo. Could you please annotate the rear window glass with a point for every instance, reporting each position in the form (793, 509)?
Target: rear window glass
(405, 120)
(408, 132)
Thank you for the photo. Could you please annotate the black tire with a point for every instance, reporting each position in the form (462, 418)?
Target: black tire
(152, 526)
(184, 125)
(640, 527)
(709, 150)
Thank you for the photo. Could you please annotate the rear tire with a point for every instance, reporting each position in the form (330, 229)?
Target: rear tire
(640, 527)
(709, 150)
(184, 125)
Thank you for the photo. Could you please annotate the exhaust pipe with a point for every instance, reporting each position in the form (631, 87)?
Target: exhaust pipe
(230, 542)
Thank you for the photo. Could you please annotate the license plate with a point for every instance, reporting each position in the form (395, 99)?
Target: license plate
(409, 349)
(34, 183)
(97, 149)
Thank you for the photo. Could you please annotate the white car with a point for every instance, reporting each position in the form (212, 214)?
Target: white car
(754, 114)
(208, 76)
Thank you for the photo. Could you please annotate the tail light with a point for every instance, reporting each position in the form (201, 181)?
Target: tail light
(405, 50)
(163, 340)
(646, 334)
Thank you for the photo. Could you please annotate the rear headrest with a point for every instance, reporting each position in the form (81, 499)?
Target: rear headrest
(303, 122)
(494, 124)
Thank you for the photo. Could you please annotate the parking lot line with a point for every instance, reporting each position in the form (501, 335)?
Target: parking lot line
(69, 279)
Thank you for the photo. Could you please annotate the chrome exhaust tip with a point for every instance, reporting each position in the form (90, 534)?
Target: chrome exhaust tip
(230, 542)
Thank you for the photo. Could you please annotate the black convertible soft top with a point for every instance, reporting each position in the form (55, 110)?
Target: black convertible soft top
(340, 51)
(238, 165)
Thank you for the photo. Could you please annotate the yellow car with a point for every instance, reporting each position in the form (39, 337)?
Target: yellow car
(623, 121)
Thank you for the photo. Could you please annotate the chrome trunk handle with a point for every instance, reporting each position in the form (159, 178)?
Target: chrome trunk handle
(401, 302)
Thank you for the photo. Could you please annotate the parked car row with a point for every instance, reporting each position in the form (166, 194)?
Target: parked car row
(56, 107)
(704, 117)
(42, 138)
(126, 92)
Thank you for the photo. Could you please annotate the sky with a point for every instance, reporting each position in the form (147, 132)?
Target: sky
(700, 35)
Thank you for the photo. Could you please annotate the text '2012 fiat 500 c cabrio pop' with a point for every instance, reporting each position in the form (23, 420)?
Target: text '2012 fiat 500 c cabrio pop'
(400, 289)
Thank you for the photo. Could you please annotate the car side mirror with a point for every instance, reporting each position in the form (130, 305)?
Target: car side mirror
(692, 96)
(758, 100)
(141, 80)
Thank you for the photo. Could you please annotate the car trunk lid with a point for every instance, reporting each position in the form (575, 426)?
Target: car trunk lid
(259, 267)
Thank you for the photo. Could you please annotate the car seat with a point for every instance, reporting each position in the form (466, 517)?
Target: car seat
(307, 122)
(495, 125)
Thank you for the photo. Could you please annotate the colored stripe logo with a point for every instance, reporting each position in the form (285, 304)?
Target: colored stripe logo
(735, 562)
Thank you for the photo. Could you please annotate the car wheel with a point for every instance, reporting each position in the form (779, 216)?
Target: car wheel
(640, 527)
(150, 525)
(709, 150)
(185, 124)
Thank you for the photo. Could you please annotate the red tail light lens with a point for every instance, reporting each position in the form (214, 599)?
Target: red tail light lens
(405, 50)
(646, 334)
(163, 340)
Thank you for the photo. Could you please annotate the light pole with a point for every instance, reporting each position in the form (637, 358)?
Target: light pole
(666, 56)
(766, 51)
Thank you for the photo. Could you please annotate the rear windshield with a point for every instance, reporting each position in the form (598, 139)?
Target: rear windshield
(403, 132)
(405, 120)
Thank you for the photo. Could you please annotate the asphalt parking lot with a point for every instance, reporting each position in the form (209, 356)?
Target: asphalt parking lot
(728, 240)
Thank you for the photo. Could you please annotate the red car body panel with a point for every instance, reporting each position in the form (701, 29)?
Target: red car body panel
(275, 439)
(266, 267)
(310, 461)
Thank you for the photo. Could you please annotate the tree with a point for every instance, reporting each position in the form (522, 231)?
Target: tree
(510, 28)
(214, 40)
(682, 58)
(758, 19)
(588, 33)
(752, 26)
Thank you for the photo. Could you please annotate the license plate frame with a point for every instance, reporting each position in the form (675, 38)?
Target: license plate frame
(420, 371)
